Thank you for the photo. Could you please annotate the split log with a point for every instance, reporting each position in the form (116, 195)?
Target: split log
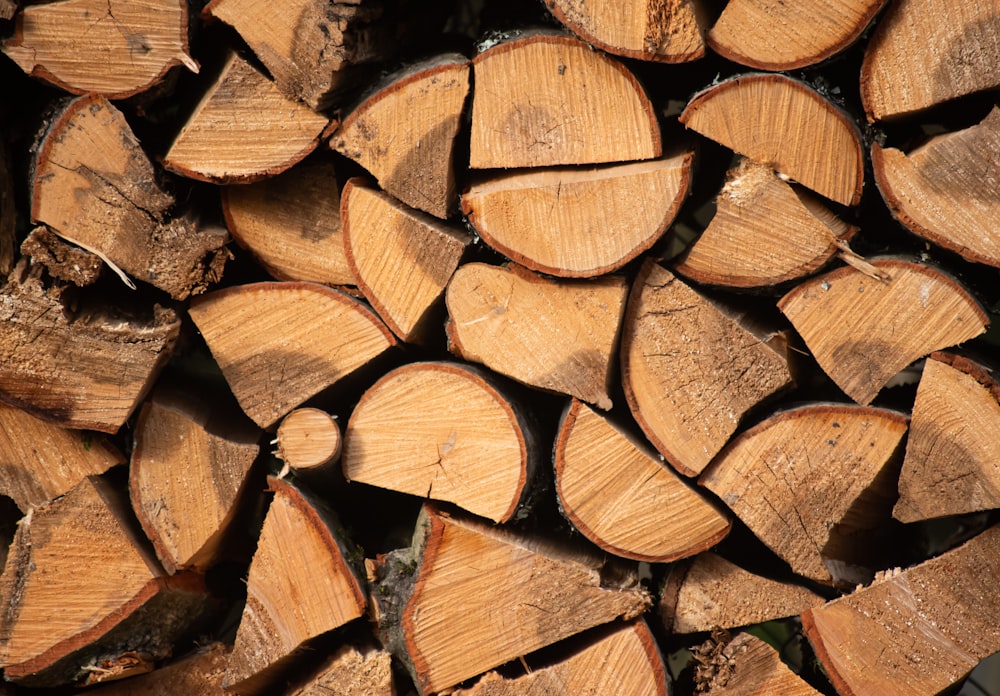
(402, 259)
(60, 258)
(448, 432)
(308, 441)
(467, 597)
(624, 498)
(556, 335)
(279, 344)
(350, 671)
(751, 667)
(915, 632)
(951, 463)
(863, 328)
(812, 482)
(579, 222)
(113, 48)
(404, 134)
(534, 106)
(200, 673)
(692, 369)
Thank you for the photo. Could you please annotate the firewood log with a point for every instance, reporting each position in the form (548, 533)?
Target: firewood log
(352, 671)
(61, 259)
(8, 212)
(198, 673)
(750, 667)
(308, 441)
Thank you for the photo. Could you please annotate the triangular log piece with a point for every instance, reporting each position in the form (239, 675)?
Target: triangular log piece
(625, 660)
(111, 47)
(291, 223)
(352, 671)
(914, 632)
(444, 431)
(41, 461)
(60, 258)
(653, 30)
(915, 60)
(750, 667)
(469, 596)
(401, 258)
(534, 105)
(691, 369)
(308, 441)
(710, 592)
(188, 472)
(810, 31)
(83, 368)
(624, 498)
(243, 129)
(945, 190)
(808, 480)
(83, 594)
(200, 673)
(952, 463)
(764, 232)
(404, 133)
(781, 122)
(93, 185)
(556, 335)
(279, 344)
(863, 327)
(576, 222)
(301, 585)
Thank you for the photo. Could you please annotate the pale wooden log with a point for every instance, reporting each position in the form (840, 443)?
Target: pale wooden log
(93, 185)
(691, 369)
(710, 592)
(764, 232)
(945, 190)
(864, 328)
(308, 441)
(401, 258)
(109, 47)
(404, 133)
(925, 52)
(534, 106)
(279, 344)
(243, 129)
(624, 498)
(295, 591)
(779, 121)
(469, 596)
(200, 673)
(291, 224)
(556, 335)
(915, 632)
(579, 222)
(952, 463)
(60, 258)
(751, 667)
(809, 481)
(351, 671)
(778, 35)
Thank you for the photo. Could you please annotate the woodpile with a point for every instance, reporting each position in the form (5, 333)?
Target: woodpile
(497, 348)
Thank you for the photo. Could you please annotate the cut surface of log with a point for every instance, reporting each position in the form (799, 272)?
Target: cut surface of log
(109, 47)
(945, 190)
(557, 335)
(279, 344)
(623, 498)
(751, 667)
(915, 632)
(404, 134)
(691, 370)
(952, 463)
(807, 480)
(200, 673)
(779, 121)
(351, 671)
(579, 222)
(308, 440)
(863, 330)
(534, 106)
(62, 259)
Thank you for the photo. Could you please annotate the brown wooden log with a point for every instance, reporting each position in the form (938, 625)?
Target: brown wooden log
(595, 220)
(198, 673)
(750, 667)
(352, 671)
(61, 259)
(308, 441)
(8, 211)
(691, 368)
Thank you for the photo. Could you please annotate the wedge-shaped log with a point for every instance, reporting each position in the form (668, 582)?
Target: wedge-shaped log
(279, 344)
(351, 671)
(945, 190)
(808, 480)
(750, 667)
(915, 632)
(863, 329)
(404, 133)
(556, 335)
(469, 596)
(198, 673)
(691, 369)
(308, 441)
(779, 121)
(576, 222)
(534, 105)
(624, 498)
